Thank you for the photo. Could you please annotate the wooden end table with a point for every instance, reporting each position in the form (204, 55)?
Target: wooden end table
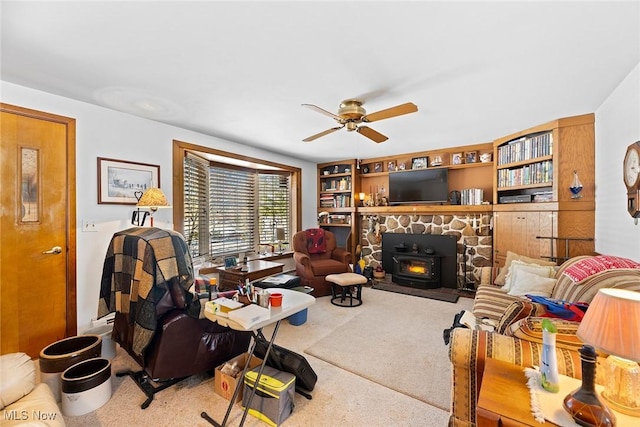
(504, 398)
(231, 277)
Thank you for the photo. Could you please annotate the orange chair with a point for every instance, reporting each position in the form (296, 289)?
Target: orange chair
(316, 256)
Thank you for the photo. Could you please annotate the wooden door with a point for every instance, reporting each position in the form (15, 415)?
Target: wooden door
(37, 255)
(503, 237)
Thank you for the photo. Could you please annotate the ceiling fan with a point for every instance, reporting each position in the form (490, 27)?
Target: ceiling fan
(351, 114)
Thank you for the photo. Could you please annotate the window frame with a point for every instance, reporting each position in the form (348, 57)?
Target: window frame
(180, 148)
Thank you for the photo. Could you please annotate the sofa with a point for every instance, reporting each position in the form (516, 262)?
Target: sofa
(23, 402)
(516, 334)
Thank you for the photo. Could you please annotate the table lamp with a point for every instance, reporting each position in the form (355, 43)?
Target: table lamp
(152, 199)
(612, 325)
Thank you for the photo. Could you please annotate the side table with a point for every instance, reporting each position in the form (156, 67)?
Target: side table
(504, 399)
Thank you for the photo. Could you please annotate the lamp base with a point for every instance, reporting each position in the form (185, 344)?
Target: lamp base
(622, 385)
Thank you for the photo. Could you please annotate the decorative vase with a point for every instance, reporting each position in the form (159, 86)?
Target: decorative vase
(584, 404)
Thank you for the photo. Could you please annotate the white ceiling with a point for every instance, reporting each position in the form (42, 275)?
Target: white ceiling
(240, 70)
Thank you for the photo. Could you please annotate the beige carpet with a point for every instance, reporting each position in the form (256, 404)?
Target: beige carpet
(340, 398)
(397, 343)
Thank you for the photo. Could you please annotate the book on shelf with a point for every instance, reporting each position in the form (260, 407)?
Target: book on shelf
(526, 148)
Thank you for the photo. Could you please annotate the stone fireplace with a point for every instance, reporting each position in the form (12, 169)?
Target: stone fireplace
(468, 244)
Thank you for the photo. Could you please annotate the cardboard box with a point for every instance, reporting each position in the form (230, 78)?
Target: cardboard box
(225, 385)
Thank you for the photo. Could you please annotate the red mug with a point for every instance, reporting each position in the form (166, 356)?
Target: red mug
(275, 299)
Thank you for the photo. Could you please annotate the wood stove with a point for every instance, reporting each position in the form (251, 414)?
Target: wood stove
(420, 260)
(416, 269)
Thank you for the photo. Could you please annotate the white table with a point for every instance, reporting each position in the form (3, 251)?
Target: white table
(292, 303)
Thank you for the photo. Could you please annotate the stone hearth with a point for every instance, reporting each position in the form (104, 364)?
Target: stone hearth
(479, 243)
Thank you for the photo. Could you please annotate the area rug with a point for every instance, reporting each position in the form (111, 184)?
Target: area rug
(424, 293)
(396, 342)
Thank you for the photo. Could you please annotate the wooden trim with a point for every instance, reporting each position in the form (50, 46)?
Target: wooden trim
(70, 124)
(179, 150)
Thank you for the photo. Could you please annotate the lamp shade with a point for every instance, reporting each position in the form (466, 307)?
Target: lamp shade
(279, 233)
(611, 323)
(153, 198)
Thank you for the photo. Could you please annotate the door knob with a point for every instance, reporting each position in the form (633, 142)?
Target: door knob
(54, 250)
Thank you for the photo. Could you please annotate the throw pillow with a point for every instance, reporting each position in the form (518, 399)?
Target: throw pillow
(530, 329)
(512, 256)
(526, 283)
(588, 267)
(518, 310)
(518, 266)
(316, 243)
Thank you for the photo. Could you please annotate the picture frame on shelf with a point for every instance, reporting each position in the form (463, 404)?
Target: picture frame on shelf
(122, 182)
(419, 162)
(456, 159)
(470, 157)
(401, 166)
(377, 167)
(391, 166)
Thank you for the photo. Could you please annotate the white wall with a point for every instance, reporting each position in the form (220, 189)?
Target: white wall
(617, 126)
(101, 132)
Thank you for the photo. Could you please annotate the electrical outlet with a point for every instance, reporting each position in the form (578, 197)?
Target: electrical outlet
(89, 225)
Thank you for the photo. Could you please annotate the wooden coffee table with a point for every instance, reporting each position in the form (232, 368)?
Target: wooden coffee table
(231, 277)
(504, 398)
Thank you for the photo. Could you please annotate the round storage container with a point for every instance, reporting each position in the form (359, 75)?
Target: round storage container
(108, 345)
(57, 357)
(85, 386)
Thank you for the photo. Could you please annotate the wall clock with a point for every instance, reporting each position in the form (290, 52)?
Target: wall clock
(631, 176)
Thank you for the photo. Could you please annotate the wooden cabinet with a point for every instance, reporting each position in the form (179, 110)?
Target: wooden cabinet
(338, 196)
(522, 232)
(535, 212)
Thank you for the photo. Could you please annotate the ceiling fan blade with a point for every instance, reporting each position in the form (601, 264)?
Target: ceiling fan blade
(323, 133)
(371, 134)
(322, 111)
(398, 110)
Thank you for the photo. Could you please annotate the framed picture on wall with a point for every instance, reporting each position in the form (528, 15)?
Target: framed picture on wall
(121, 182)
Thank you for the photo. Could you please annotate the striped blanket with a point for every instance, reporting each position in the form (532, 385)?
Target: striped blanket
(142, 265)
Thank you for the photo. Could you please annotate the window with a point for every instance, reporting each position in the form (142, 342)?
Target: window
(229, 208)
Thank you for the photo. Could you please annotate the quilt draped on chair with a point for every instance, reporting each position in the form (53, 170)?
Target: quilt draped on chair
(141, 267)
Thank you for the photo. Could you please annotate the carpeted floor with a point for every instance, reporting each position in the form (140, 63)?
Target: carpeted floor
(344, 395)
(436, 294)
(399, 345)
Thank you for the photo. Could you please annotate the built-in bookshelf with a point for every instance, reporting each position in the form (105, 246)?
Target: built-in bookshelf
(535, 212)
(337, 190)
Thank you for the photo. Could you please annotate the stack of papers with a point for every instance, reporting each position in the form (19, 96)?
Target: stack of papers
(222, 306)
(249, 315)
(279, 279)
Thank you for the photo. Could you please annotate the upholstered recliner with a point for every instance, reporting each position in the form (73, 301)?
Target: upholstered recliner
(316, 255)
(146, 279)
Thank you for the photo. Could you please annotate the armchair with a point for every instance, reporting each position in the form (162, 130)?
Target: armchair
(315, 261)
(146, 279)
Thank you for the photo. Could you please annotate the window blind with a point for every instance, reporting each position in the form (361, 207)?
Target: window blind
(274, 205)
(232, 210)
(196, 219)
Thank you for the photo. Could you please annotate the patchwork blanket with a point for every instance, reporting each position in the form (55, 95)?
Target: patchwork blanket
(141, 266)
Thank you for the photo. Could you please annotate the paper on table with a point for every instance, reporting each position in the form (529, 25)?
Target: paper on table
(279, 279)
(249, 315)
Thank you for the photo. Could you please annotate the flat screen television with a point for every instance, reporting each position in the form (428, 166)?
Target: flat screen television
(419, 186)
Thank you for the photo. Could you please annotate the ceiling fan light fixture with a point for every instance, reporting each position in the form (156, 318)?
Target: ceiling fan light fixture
(351, 126)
